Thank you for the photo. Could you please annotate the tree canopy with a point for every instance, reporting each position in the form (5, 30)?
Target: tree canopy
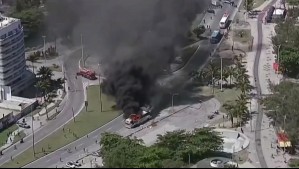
(171, 150)
(283, 104)
(286, 45)
(30, 14)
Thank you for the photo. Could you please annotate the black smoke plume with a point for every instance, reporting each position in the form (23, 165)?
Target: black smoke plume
(134, 39)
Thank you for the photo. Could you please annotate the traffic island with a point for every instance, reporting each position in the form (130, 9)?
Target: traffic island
(84, 123)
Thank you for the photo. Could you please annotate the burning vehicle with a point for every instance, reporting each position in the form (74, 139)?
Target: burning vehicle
(139, 118)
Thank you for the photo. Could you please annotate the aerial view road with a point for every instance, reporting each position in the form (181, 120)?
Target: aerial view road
(75, 99)
(89, 142)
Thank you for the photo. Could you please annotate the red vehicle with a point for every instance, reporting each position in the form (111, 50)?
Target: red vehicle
(88, 74)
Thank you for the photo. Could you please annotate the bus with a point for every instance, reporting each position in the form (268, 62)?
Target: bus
(215, 37)
(224, 21)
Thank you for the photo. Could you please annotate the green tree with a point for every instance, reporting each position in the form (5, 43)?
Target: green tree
(230, 72)
(32, 58)
(118, 151)
(212, 73)
(31, 18)
(199, 30)
(289, 62)
(282, 107)
(232, 111)
(249, 5)
(45, 73)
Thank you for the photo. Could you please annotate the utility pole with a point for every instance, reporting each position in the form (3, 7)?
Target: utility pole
(250, 116)
(221, 72)
(82, 50)
(44, 50)
(73, 115)
(33, 147)
(172, 98)
(101, 106)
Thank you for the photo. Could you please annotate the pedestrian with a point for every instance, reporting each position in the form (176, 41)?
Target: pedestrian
(60, 159)
(238, 135)
(277, 151)
(69, 130)
(232, 48)
(95, 159)
(84, 149)
(210, 30)
(272, 155)
(271, 145)
(10, 139)
(207, 28)
(87, 135)
(211, 18)
(204, 21)
(242, 130)
(15, 147)
(221, 6)
(11, 158)
(96, 141)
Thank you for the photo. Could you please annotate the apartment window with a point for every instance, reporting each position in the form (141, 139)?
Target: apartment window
(10, 33)
(3, 36)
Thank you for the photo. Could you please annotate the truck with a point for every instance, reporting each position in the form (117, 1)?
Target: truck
(88, 74)
(139, 118)
(215, 2)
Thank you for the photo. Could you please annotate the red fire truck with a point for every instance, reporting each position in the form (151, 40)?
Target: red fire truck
(88, 74)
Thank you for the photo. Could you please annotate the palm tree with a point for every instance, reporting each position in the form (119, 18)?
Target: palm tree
(44, 86)
(230, 72)
(232, 111)
(213, 73)
(198, 76)
(241, 103)
(32, 58)
(45, 73)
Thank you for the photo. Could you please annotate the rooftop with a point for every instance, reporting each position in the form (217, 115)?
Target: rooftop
(278, 12)
(5, 21)
(16, 103)
(4, 112)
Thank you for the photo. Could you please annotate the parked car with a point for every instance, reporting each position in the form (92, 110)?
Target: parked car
(24, 125)
(77, 164)
(70, 165)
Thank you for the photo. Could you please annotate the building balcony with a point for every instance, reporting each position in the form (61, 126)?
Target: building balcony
(9, 69)
(12, 58)
(3, 41)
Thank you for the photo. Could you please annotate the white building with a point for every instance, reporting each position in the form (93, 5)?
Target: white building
(13, 108)
(12, 55)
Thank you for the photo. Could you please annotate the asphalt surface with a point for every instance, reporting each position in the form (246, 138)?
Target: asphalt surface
(258, 88)
(89, 142)
(75, 100)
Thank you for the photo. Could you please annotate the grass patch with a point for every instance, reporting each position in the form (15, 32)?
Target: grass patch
(86, 122)
(242, 35)
(257, 3)
(5, 133)
(222, 97)
(294, 163)
(17, 138)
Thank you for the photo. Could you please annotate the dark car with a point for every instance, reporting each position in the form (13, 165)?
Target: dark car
(210, 11)
(24, 125)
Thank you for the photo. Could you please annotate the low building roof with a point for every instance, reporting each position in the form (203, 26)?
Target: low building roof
(278, 12)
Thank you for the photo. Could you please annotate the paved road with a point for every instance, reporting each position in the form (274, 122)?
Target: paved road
(75, 101)
(258, 85)
(116, 125)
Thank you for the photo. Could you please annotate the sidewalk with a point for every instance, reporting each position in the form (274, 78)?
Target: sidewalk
(266, 73)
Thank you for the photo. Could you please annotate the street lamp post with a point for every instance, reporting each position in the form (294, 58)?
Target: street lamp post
(82, 50)
(250, 115)
(172, 105)
(221, 72)
(33, 147)
(44, 50)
